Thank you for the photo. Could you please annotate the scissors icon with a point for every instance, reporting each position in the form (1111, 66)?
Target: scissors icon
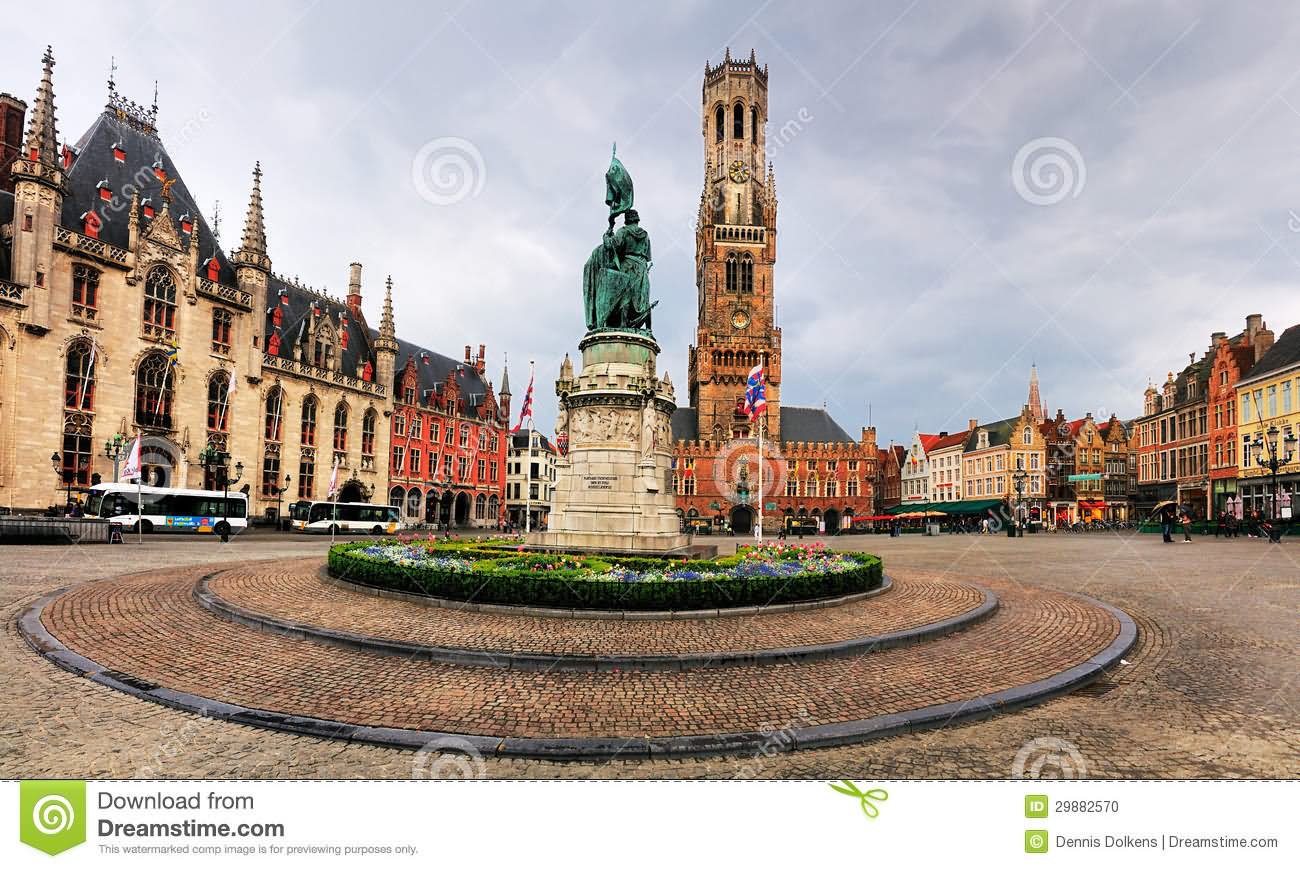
(868, 807)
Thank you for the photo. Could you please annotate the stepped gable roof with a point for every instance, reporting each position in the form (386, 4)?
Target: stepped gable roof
(999, 433)
(296, 316)
(94, 162)
(685, 424)
(1284, 352)
(811, 425)
(519, 441)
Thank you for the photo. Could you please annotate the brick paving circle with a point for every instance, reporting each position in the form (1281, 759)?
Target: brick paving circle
(149, 627)
(292, 596)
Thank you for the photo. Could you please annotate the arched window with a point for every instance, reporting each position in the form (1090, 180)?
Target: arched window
(732, 277)
(396, 497)
(738, 122)
(719, 123)
(85, 291)
(1026, 438)
(746, 273)
(160, 304)
(274, 414)
(493, 508)
(219, 402)
(79, 377)
(341, 426)
(309, 422)
(753, 125)
(413, 503)
(368, 433)
(153, 392)
(77, 454)
(480, 507)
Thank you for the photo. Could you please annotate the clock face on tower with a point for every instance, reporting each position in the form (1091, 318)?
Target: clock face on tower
(739, 172)
(740, 319)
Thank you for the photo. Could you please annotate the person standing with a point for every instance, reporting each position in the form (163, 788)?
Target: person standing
(1167, 524)
(1187, 527)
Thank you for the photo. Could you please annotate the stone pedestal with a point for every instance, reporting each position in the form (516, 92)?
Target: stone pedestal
(613, 489)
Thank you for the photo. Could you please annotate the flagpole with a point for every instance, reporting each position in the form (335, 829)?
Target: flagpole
(528, 468)
(761, 418)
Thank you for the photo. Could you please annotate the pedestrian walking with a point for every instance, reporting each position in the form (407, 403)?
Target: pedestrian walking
(1167, 524)
(1187, 527)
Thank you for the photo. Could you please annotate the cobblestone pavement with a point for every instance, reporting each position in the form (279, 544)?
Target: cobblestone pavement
(1210, 690)
(294, 591)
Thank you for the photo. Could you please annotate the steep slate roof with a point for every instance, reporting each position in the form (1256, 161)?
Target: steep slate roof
(433, 369)
(1285, 351)
(811, 425)
(94, 162)
(999, 433)
(927, 441)
(296, 316)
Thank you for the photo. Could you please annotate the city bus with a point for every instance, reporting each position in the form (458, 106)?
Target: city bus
(191, 511)
(344, 517)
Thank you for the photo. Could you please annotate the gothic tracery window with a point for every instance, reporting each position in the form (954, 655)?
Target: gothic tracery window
(719, 123)
(219, 401)
(154, 388)
(341, 426)
(309, 422)
(738, 122)
(79, 377)
(274, 415)
(159, 303)
(76, 455)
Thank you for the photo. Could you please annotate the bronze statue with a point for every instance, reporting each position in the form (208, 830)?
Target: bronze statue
(616, 280)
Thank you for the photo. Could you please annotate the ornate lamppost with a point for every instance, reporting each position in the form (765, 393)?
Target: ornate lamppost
(114, 449)
(214, 461)
(1269, 453)
(1018, 479)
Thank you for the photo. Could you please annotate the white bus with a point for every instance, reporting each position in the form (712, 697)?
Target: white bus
(344, 517)
(182, 510)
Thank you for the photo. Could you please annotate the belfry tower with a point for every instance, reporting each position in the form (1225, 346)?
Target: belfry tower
(735, 249)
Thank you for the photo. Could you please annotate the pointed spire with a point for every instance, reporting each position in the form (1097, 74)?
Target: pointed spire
(505, 379)
(386, 327)
(42, 132)
(252, 248)
(1035, 400)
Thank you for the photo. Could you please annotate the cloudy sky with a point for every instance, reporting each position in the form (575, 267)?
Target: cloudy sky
(919, 274)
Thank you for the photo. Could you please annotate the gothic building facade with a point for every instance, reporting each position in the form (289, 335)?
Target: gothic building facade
(120, 315)
(811, 468)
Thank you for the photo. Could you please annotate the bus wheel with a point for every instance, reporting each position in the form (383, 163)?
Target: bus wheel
(222, 528)
(334, 529)
(148, 526)
(377, 530)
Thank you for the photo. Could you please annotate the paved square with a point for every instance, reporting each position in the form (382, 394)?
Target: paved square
(1209, 691)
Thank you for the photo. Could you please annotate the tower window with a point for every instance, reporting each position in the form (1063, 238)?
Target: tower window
(746, 274)
(719, 123)
(753, 125)
(738, 122)
(731, 273)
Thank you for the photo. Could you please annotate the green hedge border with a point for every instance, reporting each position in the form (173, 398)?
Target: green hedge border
(569, 590)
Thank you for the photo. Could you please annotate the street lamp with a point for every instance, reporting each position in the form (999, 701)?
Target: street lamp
(1271, 454)
(1018, 479)
(279, 494)
(66, 476)
(114, 447)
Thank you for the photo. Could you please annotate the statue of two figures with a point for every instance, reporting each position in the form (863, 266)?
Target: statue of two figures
(616, 278)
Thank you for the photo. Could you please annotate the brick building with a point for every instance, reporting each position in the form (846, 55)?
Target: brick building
(1233, 357)
(812, 467)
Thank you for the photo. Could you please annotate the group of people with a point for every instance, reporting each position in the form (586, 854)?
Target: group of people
(1226, 525)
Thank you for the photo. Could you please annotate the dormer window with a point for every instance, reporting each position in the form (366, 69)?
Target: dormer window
(277, 316)
(147, 206)
(273, 344)
(91, 223)
(284, 297)
(214, 268)
(67, 155)
(983, 440)
(105, 192)
(187, 225)
(158, 171)
(119, 152)
(343, 339)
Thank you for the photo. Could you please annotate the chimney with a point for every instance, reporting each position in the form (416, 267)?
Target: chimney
(972, 424)
(1263, 340)
(943, 434)
(467, 360)
(12, 113)
(1253, 324)
(354, 290)
(482, 354)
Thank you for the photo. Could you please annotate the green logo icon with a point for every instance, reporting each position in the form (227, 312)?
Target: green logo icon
(52, 814)
(865, 798)
(1035, 841)
(1036, 806)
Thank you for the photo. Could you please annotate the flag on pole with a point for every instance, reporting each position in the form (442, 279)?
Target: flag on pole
(174, 355)
(132, 469)
(334, 480)
(230, 390)
(562, 443)
(526, 411)
(756, 393)
(88, 378)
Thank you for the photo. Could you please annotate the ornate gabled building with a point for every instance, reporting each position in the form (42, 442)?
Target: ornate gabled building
(120, 314)
(812, 467)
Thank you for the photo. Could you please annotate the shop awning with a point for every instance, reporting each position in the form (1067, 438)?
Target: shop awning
(1093, 505)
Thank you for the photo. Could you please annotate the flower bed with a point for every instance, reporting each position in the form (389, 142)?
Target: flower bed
(501, 574)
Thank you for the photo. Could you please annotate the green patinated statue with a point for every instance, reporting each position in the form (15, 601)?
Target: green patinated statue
(616, 279)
